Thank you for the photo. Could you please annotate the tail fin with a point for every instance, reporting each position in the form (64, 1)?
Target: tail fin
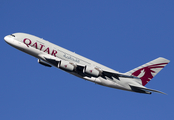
(147, 71)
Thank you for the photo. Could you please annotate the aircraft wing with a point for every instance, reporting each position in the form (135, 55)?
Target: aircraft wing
(50, 59)
(142, 88)
(116, 75)
(54, 61)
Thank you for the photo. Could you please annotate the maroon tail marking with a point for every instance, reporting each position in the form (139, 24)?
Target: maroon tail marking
(148, 72)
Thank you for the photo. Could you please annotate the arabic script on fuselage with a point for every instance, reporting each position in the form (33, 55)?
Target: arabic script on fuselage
(71, 58)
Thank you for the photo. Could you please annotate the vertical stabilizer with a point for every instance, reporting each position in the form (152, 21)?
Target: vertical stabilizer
(147, 71)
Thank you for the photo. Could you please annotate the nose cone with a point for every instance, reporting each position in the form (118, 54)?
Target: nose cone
(8, 39)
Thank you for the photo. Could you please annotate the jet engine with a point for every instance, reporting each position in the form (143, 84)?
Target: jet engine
(91, 71)
(43, 63)
(65, 65)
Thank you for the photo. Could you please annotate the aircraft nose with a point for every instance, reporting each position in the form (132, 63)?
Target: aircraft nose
(8, 39)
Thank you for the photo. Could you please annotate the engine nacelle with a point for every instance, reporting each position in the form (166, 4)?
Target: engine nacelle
(91, 71)
(44, 63)
(65, 65)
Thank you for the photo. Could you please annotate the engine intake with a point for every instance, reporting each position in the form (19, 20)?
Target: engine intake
(91, 71)
(65, 65)
(44, 63)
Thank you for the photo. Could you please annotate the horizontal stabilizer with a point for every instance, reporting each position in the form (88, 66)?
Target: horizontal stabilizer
(146, 90)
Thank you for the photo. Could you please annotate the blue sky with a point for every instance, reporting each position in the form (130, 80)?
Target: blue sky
(119, 34)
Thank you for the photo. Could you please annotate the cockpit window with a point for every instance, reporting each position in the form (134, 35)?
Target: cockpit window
(12, 35)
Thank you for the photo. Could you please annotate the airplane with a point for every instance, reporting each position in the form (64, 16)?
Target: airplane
(49, 55)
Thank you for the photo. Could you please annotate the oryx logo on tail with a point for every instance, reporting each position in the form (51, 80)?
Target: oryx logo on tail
(148, 72)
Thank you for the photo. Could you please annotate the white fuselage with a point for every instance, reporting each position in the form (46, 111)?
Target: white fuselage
(40, 48)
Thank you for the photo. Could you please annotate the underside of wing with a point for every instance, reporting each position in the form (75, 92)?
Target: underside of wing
(50, 59)
(85, 69)
(116, 75)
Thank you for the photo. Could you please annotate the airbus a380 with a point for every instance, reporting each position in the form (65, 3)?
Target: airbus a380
(49, 54)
